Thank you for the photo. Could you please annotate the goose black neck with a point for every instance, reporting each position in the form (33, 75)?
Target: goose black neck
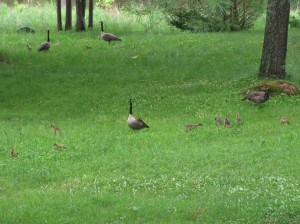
(101, 25)
(48, 36)
(130, 106)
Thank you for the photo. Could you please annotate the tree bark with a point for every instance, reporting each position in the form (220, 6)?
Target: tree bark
(68, 24)
(275, 40)
(80, 26)
(58, 13)
(91, 10)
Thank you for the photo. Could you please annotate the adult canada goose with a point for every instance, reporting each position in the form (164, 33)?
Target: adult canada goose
(108, 36)
(259, 96)
(55, 128)
(189, 127)
(12, 153)
(45, 45)
(218, 120)
(133, 122)
(226, 121)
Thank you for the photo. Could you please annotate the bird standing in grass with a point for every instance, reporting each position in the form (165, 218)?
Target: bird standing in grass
(29, 47)
(59, 146)
(12, 153)
(55, 128)
(189, 127)
(45, 45)
(259, 96)
(284, 120)
(218, 120)
(108, 36)
(238, 119)
(227, 122)
(133, 122)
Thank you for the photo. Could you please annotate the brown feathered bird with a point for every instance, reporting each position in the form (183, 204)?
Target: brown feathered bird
(238, 119)
(259, 96)
(218, 120)
(12, 153)
(189, 127)
(45, 45)
(133, 122)
(55, 128)
(60, 146)
(108, 36)
(284, 120)
(227, 122)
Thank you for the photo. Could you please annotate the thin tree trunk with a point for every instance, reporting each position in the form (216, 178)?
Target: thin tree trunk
(80, 26)
(68, 24)
(91, 9)
(275, 40)
(58, 12)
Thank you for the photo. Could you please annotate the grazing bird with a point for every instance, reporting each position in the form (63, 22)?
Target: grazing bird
(259, 96)
(29, 47)
(45, 45)
(88, 47)
(189, 127)
(59, 146)
(108, 36)
(55, 128)
(284, 120)
(226, 121)
(133, 122)
(12, 153)
(238, 119)
(218, 120)
(25, 29)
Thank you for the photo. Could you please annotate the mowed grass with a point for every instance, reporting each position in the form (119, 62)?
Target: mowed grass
(248, 173)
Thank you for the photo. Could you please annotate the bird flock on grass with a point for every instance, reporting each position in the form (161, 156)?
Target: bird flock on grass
(45, 46)
(257, 97)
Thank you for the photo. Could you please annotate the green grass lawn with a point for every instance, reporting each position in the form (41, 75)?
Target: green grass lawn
(247, 173)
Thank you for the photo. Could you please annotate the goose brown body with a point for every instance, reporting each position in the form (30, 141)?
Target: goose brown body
(133, 122)
(108, 36)
(257, 97)
(45, 45)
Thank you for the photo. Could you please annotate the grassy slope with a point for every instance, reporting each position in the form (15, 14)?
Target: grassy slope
(244, 174)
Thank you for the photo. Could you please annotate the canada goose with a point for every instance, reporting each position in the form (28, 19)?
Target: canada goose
(226, 121)
(107, 36)
(189, 127)
(25, 29)
(218, 120)
(133, 122)
(29, 47)
(259, 96)
(55, 128)
(59, 146)
(45, 45)
(12, 153)
(238, 119)
(284, 120)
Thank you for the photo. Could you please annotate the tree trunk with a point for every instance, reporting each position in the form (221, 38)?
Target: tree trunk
(80, 26)
(58, 13)
(275, 40)
(91, 9)
(68, 24)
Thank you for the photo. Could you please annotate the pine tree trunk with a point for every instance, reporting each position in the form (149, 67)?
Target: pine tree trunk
(68, 24)
(275, 40)
(91, 9)
(58, 13)
(80, 26)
